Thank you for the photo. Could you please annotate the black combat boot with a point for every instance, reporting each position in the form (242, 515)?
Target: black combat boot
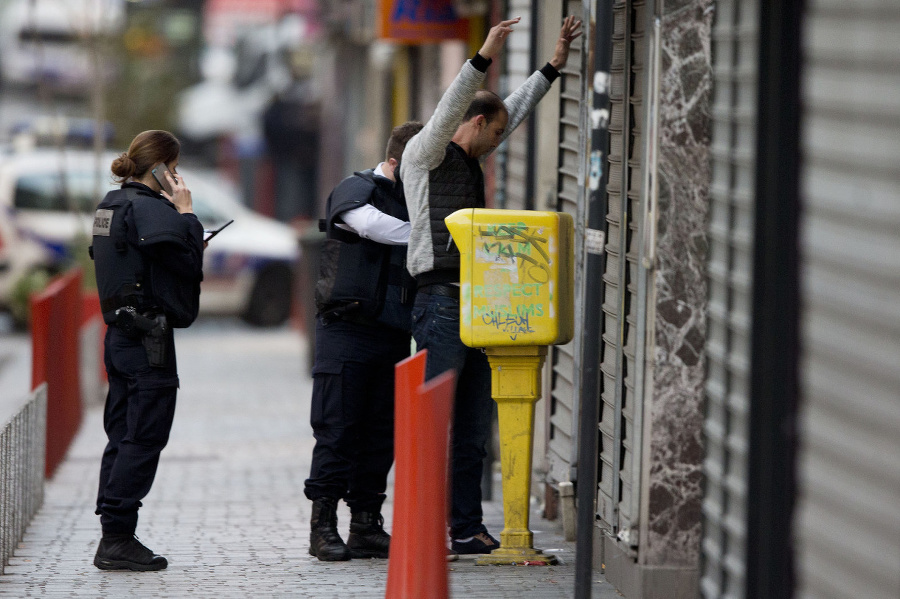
(125, 552)
(367, 537)
(324, 541)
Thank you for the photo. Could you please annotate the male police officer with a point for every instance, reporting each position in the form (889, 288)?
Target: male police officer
(364, 295)
(148, 255)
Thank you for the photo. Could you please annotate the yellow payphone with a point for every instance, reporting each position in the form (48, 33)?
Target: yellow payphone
(516, 298)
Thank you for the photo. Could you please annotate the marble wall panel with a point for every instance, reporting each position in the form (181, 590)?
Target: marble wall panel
(676, 450)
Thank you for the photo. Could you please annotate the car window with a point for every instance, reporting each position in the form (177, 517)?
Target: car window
(44, 191)
(40, 192)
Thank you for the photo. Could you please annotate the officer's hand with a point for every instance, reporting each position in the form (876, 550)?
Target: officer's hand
(496, 36)
(567, 35)
(181, 195)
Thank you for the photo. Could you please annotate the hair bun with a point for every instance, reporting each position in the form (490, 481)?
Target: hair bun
(123, 166)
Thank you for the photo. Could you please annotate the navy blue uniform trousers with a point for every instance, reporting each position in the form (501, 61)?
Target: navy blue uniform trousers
(140, 406)
(352, 413)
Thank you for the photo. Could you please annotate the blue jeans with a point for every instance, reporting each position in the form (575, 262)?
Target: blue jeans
(436, 329)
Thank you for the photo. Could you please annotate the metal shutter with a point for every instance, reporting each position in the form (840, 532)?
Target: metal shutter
(565, 384)
(735, 54)
(618, 471)
(515, 152)
(847, 523)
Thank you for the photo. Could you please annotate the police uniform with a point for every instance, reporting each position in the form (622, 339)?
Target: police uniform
(148, 259)
(364, 297)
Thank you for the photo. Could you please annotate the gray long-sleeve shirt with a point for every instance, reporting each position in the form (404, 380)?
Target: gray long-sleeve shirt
(426, 150)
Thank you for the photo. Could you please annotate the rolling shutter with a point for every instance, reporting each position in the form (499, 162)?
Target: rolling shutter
(735, 54)
(514, 154)
(565, 386)
(618, 471)
(847, 522)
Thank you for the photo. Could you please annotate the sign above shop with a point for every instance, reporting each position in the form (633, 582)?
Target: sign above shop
(420, 22)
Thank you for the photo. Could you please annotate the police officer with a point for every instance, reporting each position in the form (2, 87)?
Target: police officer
(364, 296)
(148, 256)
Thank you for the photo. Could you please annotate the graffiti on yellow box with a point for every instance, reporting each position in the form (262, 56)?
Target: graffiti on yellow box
(515, 276)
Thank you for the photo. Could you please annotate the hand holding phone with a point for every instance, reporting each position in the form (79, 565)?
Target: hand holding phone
(210, 233)
(159, 173)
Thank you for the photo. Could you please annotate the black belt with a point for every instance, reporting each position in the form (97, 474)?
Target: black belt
(441, 289)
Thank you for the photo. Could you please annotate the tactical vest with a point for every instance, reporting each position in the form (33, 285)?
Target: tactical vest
(124, 221)
(360, 279)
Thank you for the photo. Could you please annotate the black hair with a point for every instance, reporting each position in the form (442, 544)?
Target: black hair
(487, 103)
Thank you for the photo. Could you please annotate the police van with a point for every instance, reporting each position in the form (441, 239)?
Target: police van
(47, 202)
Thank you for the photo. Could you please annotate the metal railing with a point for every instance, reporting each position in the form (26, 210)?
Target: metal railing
(22, 455)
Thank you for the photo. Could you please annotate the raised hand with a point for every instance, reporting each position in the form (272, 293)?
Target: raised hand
(496, 37)
(570, 30)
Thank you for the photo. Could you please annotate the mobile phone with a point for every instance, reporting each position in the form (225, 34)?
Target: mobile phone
(159, 173)
(209, 234)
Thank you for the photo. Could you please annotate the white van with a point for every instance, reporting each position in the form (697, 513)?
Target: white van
(47, 199)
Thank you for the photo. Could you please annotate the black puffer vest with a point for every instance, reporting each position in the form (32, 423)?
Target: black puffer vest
(456, 184)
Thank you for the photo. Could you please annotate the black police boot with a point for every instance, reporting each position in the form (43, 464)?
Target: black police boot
(125, 552)
(324, 541)
(367, 537)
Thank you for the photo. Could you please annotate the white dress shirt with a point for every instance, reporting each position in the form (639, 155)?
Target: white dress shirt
(369, 222)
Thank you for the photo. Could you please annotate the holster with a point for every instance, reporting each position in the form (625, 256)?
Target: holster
(150, 328)
(155, 342)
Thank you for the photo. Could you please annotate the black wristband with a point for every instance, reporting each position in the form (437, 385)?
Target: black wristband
(550, 72)
(480, 62)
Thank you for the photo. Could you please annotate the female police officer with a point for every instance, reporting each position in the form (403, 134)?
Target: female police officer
(148, 256)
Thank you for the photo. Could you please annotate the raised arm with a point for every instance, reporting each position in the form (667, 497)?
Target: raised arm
(567, 34)
(427, 148)
(522, 101)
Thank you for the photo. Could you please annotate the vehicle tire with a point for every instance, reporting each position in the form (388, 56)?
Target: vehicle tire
(271, 298)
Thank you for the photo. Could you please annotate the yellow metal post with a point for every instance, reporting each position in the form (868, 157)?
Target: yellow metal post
(516, 387)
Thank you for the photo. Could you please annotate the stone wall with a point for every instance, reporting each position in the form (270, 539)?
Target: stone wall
(676, 408)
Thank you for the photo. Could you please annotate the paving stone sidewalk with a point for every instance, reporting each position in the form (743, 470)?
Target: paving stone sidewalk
(227, 508)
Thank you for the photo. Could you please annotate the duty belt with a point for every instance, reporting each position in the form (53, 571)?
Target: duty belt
(129, 295)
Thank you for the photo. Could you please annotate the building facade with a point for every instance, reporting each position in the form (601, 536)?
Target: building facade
(727, 412)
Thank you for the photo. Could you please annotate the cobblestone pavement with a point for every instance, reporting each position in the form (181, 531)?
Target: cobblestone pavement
(227, 508)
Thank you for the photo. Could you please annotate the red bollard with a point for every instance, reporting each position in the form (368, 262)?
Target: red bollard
(418, 560)
(408, 377)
